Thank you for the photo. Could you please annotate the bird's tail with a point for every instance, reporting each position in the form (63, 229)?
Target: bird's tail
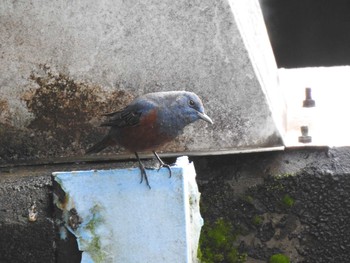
(107, 141)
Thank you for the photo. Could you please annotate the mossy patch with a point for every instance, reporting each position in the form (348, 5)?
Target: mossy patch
(257, 220)
(248, 198)
(94, 246)
(279, 258)
(216, 243)
(288, 201)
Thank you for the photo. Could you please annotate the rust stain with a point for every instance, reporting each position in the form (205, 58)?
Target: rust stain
(67, 114)
(5, 130)
(5, 114)
(62, 103)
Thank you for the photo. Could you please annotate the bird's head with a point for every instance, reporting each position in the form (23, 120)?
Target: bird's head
(191, 108)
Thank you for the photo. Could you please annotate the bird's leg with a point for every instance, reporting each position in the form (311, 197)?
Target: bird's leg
(161, 163)
(143, 171)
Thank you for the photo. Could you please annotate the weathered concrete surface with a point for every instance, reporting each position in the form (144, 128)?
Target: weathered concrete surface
(65, 64)
(22, 240)
(294, 202)
(252, 28)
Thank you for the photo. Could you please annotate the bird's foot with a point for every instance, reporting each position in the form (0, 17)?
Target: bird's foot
(143, 171)
(166, 166)
(144, 175)
(162, 164)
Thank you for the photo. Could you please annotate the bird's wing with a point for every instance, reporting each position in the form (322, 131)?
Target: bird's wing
(127, 117)
(132, 114)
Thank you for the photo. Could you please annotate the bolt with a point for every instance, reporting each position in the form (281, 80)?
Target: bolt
(305, 138)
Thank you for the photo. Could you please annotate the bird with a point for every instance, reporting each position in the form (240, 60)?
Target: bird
(149, 122)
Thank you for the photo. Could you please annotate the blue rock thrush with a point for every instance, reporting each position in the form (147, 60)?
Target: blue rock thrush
(150, 121)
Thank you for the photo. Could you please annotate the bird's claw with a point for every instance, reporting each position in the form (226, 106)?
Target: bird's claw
(143, 171)
(162, 164)
(160, 167)
(144, 175)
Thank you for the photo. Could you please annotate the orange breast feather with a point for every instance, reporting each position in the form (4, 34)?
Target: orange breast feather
(144, 136)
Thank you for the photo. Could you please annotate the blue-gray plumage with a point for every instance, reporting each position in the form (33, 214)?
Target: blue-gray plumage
(150, 121)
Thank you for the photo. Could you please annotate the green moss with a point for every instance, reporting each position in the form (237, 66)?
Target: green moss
(288, 201)
(275, 186)
(284, 175)
(279, 258)
(191, 202)
(216, 244)
(248, 198)
(95, 251)
(94, 246)
(257, 220)
(95, 221)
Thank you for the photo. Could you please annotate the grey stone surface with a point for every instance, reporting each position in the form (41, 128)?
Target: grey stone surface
(22, 240)
(296, 202)
(63, 64)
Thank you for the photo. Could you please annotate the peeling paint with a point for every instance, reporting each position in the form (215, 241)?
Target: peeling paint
(84, 228)
(110, 208)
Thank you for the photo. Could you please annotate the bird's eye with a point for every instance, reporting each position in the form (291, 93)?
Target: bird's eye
(191, 103)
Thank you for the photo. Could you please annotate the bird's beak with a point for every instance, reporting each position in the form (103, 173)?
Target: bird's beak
(205, 117)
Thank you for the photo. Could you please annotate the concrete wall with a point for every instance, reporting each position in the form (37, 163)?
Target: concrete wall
(294, 202)
(63, 64)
